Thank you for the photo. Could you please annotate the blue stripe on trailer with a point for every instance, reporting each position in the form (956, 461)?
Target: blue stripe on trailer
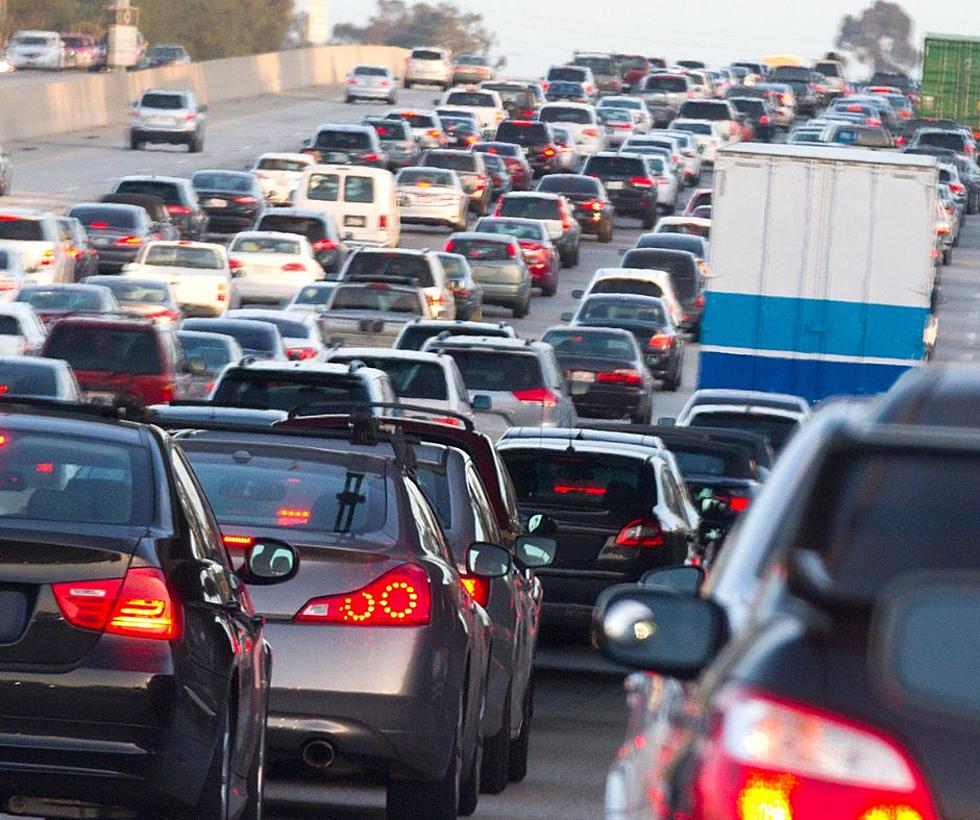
(813, 326)
(812, 379)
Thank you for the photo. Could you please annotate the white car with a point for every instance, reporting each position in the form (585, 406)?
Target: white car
(269, 267)
(370, 82)
(639, 281)
(579, 118)
(428, 66)
(691, 152)
(706, 132)
(312, 297)
(637, 107)
(36, 49)
(37, 235)
(668, 185)
(279, 175)
(22, 333)
(431, 196)
(693, 225)
(485, 105)
(618, 125)
(657, 139)
(13, 272)
(197, 272)
(299, 330)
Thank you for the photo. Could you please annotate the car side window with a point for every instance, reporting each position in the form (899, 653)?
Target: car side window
(430, 533)
(552, 372)
(486, 526)
(205, 542)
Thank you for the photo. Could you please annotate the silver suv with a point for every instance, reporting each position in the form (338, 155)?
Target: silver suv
(173, 117)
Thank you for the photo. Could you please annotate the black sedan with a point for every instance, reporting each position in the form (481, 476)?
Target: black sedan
(605, 370)
(594, 209)
(133, 670)
(647, 318)
(231, 199)
(758, 115)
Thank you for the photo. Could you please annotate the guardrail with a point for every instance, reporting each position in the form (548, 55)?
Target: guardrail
(85, 101)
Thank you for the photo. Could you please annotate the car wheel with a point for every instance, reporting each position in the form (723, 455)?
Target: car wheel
(495, 774)
(256, 781)
(551, 288)
(606, 234)
(673, 382)
(135, 143)
(196, 145)
(519, 748)
(947, 256)
(213, 801)
(469, 789)
(520, 311)
(348, 99)
(407, 84)
(648, 222)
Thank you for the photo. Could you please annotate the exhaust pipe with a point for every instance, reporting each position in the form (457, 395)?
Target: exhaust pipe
(319, 754)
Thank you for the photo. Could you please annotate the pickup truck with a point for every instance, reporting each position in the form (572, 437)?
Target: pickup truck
(371, 314)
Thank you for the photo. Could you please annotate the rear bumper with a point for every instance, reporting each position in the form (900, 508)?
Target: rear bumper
(609, 403)
(111, 259)
(506, 295)
(371, 93)
(220, 222)
(171, 137)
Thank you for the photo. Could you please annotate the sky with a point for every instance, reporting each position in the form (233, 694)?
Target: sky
(534, 34)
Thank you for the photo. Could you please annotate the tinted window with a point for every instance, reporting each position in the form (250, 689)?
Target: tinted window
(472, 99)
(56, 298)
(370, 71)
(103, 218)
(323, 187)
(341, 140)
(411, 176)
(412, 266)
(183, 256)
(136, 290)
(580, 480)
(665, 83)
(942, 139)
(705, 110)
(375, 297)
(529, 134)
(786, 73)
(597, 345)
(507, 372)
(423, 54)
(287, 327)
(165, 102)
(214, 353)
(615, 167)
(479, 250)
(567, 73)
(681, 267)
(303, 491)
(118, 350)
(10, 326)
(314, 295)
(757, 108)
(637, 287)
(56, 478)
(411, 380)
(416, 120)
(623, 310)
(25, 378)
(288, 391)
(22, 230)
(599, 65)
(827, 69)
(455, 161)
(167, 191)
(693, 127)
(531, 207)
(581, 116)
(776, 429)
(569, 185)
(415, 336)
(309, 227)
(253, 336)
(453, 267)
(264, 244)
(211, 181)
(693, 461)
(515, 229)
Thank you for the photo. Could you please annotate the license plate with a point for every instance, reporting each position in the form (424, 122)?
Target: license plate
(215, 203)
(615, 186)
(97, 397)
(583, 376)
(101, 241)
(160, 122)
(355, 221)
(578, 388)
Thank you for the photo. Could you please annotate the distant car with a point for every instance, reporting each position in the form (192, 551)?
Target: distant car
(319, 228)
(594, 209)
(470, 169)
(536, 140)
(163, 54)
(373, 312)
(686, 272)
(80, 50)
(497, 261)
(347, 145)
(22, 333)
(637, 281)
(555, 211)
(425, 124)
(397, 140)
(299, 331)
(428, 66)
(165, 116)
(150, 299)
(514, 160)
(231, 199)
(38, 378)
(267, 268)
(431, 196)
(162, 224)
(211, 353)
(568, 153)
(676, 241)
(116, 233)
(421, 268)
(470, 69)
(279, 175)
(706, 132)
(627, 180)
(521, 98)
(776, 416)
(540, 255)
(53, 302)
(36, 49)
(566, 91)
(370, 82)
(461, 132)
(572, 73)
(618, 125)
(581, 119)
(605, 370)
(642, 120)
(417, 332)
(758, 116)
(37, 237)
(259, 340)
(498, 176)
(179, 195)
(13, 273)
(79, 247)
(522, 380)
(197, 272)
(485, 105)
(466, 288)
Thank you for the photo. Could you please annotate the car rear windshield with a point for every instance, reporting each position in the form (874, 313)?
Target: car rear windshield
(623, 310)
(99, 219)
(580, 480)
(21, 230)
(288, 328)
(530, 133)
(183, 256)
(425, 179)
(10, 326)
(482, 250)
(265, 244)
(314, 295)
(661, 82)
(694, 127)
(705, 110)
(776, 429)
(827, 69)
(378, 297)
(411, 380)
(790, 73)
(416, 120)
(472, 99)
(575, 75)
(581, 116)
(288, 391)
(139, 291)
(25, 378)
(413, 266)
(680, 265)
(694, 460)
(750, 106)
(497, 370)
(569, 185)
(370, 71)
(414, 337)
(599, 65)
(298, 490)
(389, 129)
(212, 181)
(637, 287)
(518, 230)
(251, 335)
(566, 87)
(617, 166)
(423, 54)
(48, 477)
(593, 344)
(454, 161)
(215, 354)
(55, 298)
(167, 191)
(164, 102)
(23, 40)
(116, 350)
(942, 139)
(309, 227)
(531, 207)
(341, 140)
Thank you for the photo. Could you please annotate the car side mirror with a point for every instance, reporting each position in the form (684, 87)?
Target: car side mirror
(578, 293)
(486, 560)
(683, 580)
(482, 403)
(658, 631)
(269, 561)
(535, 551)
(567, 316)
(196, 367)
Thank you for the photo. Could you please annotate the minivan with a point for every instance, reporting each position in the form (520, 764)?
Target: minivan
(362, 201)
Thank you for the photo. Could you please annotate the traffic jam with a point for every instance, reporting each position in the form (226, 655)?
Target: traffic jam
(307, 463)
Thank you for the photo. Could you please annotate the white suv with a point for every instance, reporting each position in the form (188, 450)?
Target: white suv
(36, 49)
(429, 66)
(173, 117)
(38, 238)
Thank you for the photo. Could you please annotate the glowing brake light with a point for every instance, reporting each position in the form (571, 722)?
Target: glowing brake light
(288, 517)
(398, 598)
(235, 264)
(590, 132)
(764, 120)
(246, 199)
(642, 182)
(660, 341)
(129, 241)
(178, 210)
(301, 354)
(237, 541)
(621, 376)
(548, 152)
(99, 226)
(478, 588)
(324, 245)
(293, 266)
(641, 532)
(572, 489)
(536, 395)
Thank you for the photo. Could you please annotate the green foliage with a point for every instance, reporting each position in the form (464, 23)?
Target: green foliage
(421, 24)
(880, 37)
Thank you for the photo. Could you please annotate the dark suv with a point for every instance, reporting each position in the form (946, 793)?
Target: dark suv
(594, 208)
(349, 145)
(536, 140)
(685, 271)
(133, 667)
(627, 180)
(180, 197)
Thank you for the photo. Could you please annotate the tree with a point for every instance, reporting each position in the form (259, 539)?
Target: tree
(421, 24)
(880, 37)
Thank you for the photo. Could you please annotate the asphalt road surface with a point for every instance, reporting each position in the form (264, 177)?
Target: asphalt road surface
(580, 713)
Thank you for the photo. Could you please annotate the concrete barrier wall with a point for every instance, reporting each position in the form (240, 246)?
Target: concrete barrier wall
(85, 101)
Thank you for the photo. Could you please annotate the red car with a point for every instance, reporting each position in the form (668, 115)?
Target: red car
(540, 255)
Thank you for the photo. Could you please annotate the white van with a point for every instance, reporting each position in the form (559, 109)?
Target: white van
(362, 200)
(36, 49)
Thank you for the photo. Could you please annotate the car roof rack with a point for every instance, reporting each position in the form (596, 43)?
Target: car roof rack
(123, 410)
(314, 410)
(387, 279)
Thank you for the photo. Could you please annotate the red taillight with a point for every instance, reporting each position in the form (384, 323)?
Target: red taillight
(435, 133)
(398, 598)
(764, 120)
(956, 188)
(590, 132)
(769, 757)
(47, 256)
(641, 182)
(536, 395)
(301, 354)
(738, 503)
(594, 205)
(699, 300)
(178, 210)
(383, 222)
(478, 588)
(369, 157)
(620, 376)
(99, 226)
(238, 541)
(660, 341)
(513, 250)
(324, 245)
(545, 86)
(137, 606)
(450, 246)
(235, 264)
(481, 183)
(190, 116)
(641, 532)
(129, 241)
(549, 152)
(246, 199)
(351, 81)
(292, 267)
(452, 422)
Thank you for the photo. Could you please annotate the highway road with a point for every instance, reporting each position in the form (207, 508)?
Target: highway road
(580, 715)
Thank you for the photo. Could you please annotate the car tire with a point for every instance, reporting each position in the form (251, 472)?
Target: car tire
(196, 145)
(520, 747)
(135, 143)
(256, 781)
(550, 289)
(213, 800)
(947, 256)
(671, 384)
(407, 84)
(520, 311)
(605, 236)
(495, 772)
(469, 789)
(348, 99)
(648, 222)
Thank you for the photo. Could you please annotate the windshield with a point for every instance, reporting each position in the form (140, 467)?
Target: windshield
(288, 391)
(776, 429)
(568, 184)
(705, 110)
(636, 287)
(519, 230)
(576, 75)
(666, 84)
(309, 227)
(454, 161)
(718, 465)
(681, 267)
(414, 337)
(215, 354)
(389, 129)
(166, 191)
(423, 54)
(411, 380)
(370, 71)
(377, 297)
(51, 477)
(293, 489)
(694, 127)
(55, 298)
(482, 250)
(472, 99)
(599, 65)
(596, 345)
(136, 291)
(163, 102)
(107, 349)
(183, 256)
(615, 166)
(531, 207)
(415, 120)
(624, 310)
(314, 295)
(496, 370)
(22, 230)
(415, 267)
(942, 139)
(828, 69)
(582, 116)
(101, 219)
(341, 140)
(25, 378)
(212, 181)
(265, 245)
(253, 336)
(425, 179)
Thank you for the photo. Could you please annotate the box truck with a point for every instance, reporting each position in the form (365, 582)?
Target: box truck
(951, 79)
(823, 269)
